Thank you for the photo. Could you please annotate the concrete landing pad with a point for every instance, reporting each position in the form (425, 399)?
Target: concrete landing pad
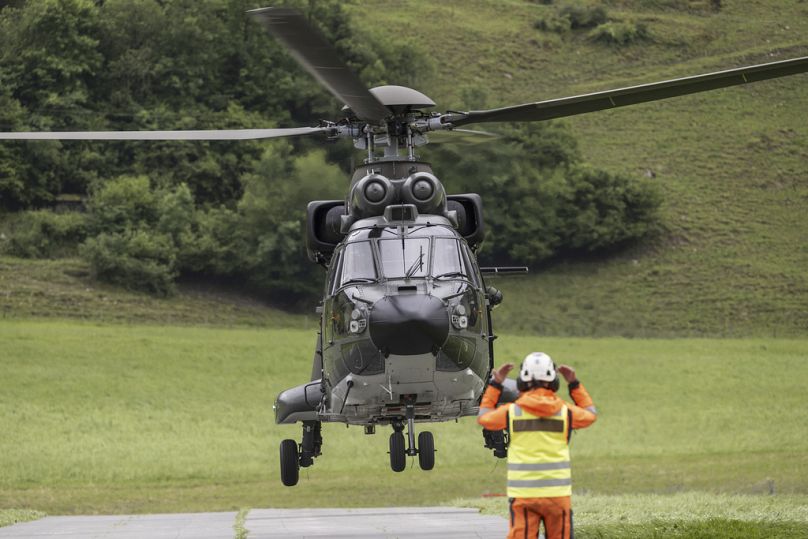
(381, 523)
(175, 526)
(378, 523)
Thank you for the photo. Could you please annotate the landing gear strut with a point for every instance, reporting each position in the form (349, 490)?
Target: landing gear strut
(425, 449)
(294, 457)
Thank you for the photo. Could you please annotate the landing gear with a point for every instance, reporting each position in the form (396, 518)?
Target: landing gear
(426, 450)
(398, 457)
(290, 472)
(426, 444)
(312, 443)
(294, 457)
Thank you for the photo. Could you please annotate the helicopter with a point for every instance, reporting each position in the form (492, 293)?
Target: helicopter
(405, 331)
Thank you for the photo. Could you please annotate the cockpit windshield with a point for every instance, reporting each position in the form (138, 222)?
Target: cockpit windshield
(386, 254)
(408, 257)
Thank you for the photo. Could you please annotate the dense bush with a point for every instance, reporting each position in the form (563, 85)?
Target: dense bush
(145, 236)
(45, 234)
(578, 15)
(137, 233)
(134, 259)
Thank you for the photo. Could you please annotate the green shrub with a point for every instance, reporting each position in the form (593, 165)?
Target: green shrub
(583, 15)
(45, 234)
(553, 23)
(137, 233)
(572, 16)
(134, 259)
(122, 203)
(605, 210)
(620, 33)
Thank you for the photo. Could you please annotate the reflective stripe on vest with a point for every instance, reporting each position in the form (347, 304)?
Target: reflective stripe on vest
(538, 455)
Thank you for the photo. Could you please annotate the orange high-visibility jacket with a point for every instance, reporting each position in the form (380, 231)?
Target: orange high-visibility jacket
(539, 402)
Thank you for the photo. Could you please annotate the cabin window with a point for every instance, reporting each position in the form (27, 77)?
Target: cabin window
(357, 263)
(404, 258)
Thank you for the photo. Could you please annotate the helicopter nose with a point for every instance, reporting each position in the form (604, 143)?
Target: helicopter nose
(408, 324)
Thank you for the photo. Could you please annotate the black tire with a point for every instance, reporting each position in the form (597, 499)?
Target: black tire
(290, 472)
(426, 450)
(398, 455)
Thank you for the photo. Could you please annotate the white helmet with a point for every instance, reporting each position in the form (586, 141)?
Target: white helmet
(537, 366)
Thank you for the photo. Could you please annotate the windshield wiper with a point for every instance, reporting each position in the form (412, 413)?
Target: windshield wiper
(453, 274)
(357, 280)
(418, 264)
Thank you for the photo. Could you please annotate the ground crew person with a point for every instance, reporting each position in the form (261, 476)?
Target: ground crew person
(540, 423)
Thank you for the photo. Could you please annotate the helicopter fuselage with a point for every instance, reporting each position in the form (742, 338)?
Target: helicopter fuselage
(405, 320)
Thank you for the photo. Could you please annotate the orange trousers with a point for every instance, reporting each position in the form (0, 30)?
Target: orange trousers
(527, 515)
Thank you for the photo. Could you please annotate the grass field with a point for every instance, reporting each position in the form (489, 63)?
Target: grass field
(114, 419)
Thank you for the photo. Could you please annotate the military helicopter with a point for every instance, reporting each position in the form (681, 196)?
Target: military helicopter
(406, 333)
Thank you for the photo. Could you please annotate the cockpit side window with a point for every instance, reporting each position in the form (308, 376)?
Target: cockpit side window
(357, 263)
(447, 258)
(407, 258)
(473, 269)
(333, 272)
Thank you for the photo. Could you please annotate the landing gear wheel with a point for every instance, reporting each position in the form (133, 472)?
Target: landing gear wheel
(289, 463)
(398, 457)
(426, 450)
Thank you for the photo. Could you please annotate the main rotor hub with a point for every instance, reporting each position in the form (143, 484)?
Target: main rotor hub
(401, 97)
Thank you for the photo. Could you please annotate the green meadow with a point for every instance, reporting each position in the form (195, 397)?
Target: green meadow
(117, 419)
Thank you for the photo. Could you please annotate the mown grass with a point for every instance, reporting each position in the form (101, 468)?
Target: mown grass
(117, 419)
(690, 514)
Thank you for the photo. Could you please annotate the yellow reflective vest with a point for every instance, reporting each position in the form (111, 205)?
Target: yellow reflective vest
(538, 454)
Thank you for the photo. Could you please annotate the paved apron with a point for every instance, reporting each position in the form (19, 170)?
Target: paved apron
(381, 523)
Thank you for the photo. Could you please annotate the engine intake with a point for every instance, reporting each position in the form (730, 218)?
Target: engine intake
(371, 194)
(426, 192)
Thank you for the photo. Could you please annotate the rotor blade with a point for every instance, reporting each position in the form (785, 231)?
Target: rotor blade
(212, 134)
(311, 50)
(570, 106)
(461, 136)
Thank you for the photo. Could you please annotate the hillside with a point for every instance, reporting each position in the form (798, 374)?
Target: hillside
(732, 164)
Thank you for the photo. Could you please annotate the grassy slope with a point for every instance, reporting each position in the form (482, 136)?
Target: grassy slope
(64, 289)
(97, 419)
(732, 163)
